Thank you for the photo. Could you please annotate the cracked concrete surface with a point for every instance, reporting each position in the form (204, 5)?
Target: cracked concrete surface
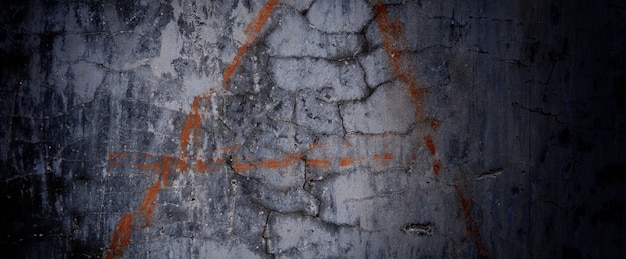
(312, 129)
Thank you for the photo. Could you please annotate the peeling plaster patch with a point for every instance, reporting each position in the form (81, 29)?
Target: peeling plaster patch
(170, 50)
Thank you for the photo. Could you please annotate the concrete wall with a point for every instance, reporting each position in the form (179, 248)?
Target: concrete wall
(312, 129)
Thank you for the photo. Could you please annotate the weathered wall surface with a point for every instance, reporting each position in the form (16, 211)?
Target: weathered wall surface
(312, 129)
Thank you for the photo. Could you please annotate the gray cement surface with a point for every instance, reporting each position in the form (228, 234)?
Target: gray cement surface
(312, 129)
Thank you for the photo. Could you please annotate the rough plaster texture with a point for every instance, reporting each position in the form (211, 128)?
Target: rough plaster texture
(312, 129)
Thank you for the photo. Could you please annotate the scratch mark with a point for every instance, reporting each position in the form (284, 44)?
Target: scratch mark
(492, 173)
(426, 229)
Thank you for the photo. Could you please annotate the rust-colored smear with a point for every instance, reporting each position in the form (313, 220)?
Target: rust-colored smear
(430, 144)
(318, 162)
(393, 35)
(436, 166)
(182, 164)
(165, 169)
(192, 124)
(200, 166)
(345, 161)
(149, 202)
(434, 124)
(243, 166)
(383, 156)
(114, 164)
(271, 163)
(251, 31)
(121, 237)
(472, 227)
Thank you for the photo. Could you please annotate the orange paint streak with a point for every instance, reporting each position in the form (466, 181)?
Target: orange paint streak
(114, 164)
(434, 124)
(383, 156)
(436, 166)
(243, 166)
(345, 161)
(121, 237)
(192, 124)
(472, 227)
(165, 169)
(114, 154)
(393, 35)
(182, 165)
(318, 162)
(252, 30)
(200, 166)
(271, 163)
(149, 202)
(430, 144)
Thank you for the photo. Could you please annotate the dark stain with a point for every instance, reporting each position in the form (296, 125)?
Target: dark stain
(564, 137)
(46, 51)
(555, 14)
(579, 213)
(571, 253)
(56, 187)
(583, 145)
(610, 213)
(531, 50)
(457, 150)
(12, 65)
(611, 175)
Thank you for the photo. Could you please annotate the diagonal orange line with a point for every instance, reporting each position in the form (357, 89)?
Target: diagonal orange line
(252, 30)
(121, 237)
